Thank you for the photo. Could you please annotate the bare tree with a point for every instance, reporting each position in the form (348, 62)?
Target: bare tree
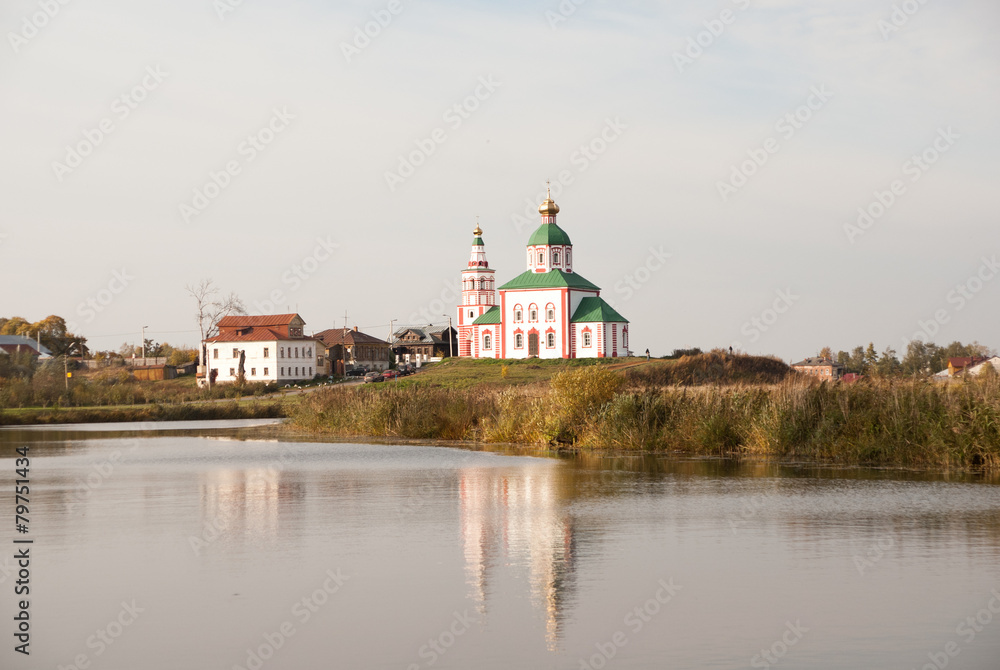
(210, 310)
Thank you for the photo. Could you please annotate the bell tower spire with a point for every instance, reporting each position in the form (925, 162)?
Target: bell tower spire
(478, 292)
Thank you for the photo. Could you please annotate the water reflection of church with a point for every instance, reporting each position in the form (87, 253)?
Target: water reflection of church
(519, 519)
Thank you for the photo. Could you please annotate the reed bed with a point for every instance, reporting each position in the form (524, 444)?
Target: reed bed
(910, 423)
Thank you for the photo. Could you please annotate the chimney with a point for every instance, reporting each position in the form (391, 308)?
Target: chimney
(355, 329)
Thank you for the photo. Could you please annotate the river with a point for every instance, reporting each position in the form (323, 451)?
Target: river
(223, 545)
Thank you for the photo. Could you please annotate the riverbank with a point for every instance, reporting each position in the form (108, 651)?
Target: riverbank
(245, 409)
(911, 423)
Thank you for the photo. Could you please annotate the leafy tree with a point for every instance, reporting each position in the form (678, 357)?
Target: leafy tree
(871, 358)
(153, 350)
(856, 361)
(51, 331)
(888, 364)
(826, 353)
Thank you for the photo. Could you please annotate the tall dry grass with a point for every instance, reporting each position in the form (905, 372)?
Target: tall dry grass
(900, 423)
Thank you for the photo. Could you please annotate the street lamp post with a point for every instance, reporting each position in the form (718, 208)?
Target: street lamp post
(144, 344)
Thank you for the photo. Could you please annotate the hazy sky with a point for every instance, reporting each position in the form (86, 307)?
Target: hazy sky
(114, 113)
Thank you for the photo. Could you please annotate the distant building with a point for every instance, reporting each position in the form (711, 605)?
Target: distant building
(958, 365)
(976, 370)
(13, 344)
(547, 311)
(415, 344)
(269, 348)
(823, 368)
(154, 372)
(351, 349)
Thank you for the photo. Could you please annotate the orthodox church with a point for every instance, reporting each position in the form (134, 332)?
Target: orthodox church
(547, 311)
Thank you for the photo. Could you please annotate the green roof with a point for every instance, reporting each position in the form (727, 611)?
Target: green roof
(550, 279)
(477, 242)
(489, 317)
(595, 310)
(548, 233)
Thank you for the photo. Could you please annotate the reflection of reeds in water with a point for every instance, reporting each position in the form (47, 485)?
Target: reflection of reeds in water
(877, 422)
(517, 519)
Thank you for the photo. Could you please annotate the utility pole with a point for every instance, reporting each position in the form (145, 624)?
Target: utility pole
(391, 335)
(144, 344)
(66, 365)
(343, 347)
(450, 349)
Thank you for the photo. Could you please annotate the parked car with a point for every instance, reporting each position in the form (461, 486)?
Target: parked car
(357, 372)
(373, 376)
(390, 374)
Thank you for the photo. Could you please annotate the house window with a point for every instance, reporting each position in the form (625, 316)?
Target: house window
(265, 372)
(281, 352)
(215, 353)
(550, 340)
(555, 258)
(550, 314)
(267, 352)
(518, 341)
(310, 371)
(533, 315)
(236, 353)
(282, 372)
(487, 342)
(517, 316)
(586, 339)
(309, 351)
(471, 313)
(232, 372)
(541, 258)
(296, 371)
(253, 372)
(296, 352)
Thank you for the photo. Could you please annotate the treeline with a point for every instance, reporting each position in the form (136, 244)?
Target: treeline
(921, 358)
(51, 331)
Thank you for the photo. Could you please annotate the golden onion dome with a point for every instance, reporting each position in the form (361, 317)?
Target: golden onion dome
(549, 206)
(478, 232)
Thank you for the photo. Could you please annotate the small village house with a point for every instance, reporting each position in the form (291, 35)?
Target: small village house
(348, 349)
(268, 348)
(959, 364)
(823, 368)
(15, 344)
(418, 345)
(991, 362)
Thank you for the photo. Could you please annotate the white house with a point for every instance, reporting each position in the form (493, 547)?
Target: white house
(270, 348)
(548, 311)
(976, 370)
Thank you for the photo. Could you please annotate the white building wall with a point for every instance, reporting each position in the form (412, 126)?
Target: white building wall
(266, 361)
(540, 298)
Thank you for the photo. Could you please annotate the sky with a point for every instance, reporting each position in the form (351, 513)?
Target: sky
(772, 175)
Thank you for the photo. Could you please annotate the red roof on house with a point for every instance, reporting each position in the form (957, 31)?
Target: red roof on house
(240, 321)
(964, 361)
(255, 335)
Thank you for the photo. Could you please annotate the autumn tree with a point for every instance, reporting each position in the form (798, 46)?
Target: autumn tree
(209, 310)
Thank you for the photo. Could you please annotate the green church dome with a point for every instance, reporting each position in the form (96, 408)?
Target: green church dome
(548, 233)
